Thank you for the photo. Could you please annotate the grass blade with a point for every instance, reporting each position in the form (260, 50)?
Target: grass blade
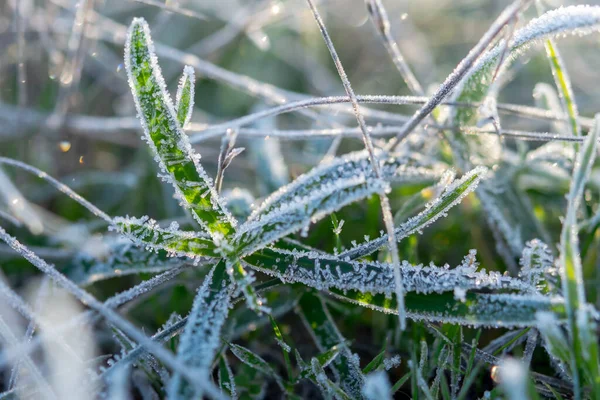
(318, 321)
(184, 99)
(584, 357)
(434, 210)
(200, 338)
(165, 136)
(479, 309)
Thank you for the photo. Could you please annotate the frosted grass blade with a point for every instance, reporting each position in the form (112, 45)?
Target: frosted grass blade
(147, 233)
(584, 356)
(184, 99)
(478, 310)
(394, 168)
(571, 20)
(121, 258)
(201, 336)
(323, 272)
(434, 210)
(165, 136)
(346, 365)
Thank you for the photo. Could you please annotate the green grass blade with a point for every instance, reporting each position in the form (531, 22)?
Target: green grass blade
(584, 357)
(479, 309)
(375, 363)
(225, 376)
(146, 232)
(255, 361)
(165, 136)
(286, 349)
(326, 335)
(184, 100)
(434, 210)
(200, 338)
(563, 83)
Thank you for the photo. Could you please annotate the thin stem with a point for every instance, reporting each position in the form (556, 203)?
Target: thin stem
(461, 69)
(381, 21)
(385, 203)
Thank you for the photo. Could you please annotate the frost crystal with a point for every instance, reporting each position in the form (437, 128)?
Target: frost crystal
(392, 362)
(377, 386)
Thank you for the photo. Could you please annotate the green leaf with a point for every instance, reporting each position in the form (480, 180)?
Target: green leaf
(200, 338)
(479, 309)
(326, 334)
(584, 347)
(165, 136)
(452, 195)
(284, 347)
(375, 363)
(184, 100)
(255, 361)
(226, 381)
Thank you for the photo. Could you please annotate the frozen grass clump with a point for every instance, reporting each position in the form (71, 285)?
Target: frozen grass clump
(355, 252)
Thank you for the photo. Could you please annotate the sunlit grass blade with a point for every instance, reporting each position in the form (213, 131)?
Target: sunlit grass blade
(563, 83)
(164, 134)
(584, 358)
